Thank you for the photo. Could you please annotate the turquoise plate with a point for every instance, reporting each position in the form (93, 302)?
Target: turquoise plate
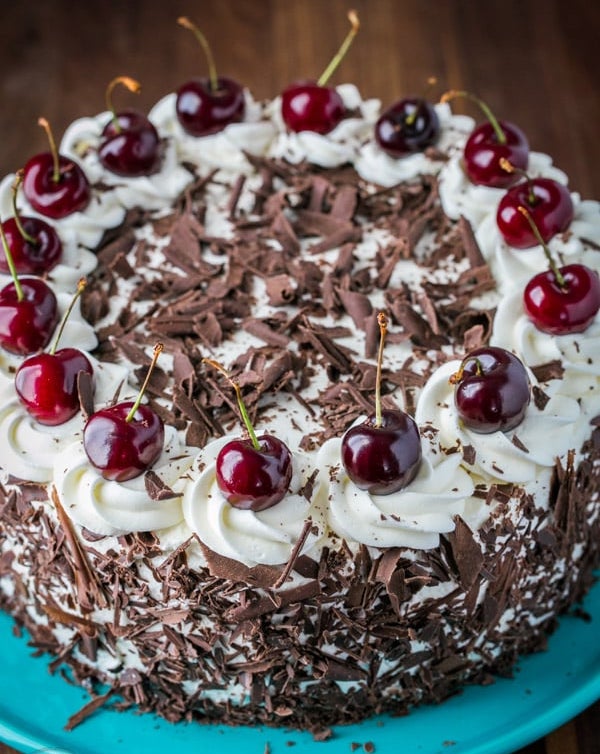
(548, 689)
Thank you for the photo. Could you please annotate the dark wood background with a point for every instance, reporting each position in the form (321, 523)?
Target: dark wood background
(534, 61)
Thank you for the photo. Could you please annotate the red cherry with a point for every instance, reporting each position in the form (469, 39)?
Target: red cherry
(46, 384)
(312, 106)
(202, 110)
(124, 440)
(27, 320)
(408, 126)
(206, 105)
(549, 203)
(36, 252)
(131, 148)
(254, 478)
(306, 106)
(382, 458)
(55, 197)
(490, 144)
(483, 152)
(492, 390)
(383, 454)
(561, 309)
(122, 448)
(130, 144)
(54, 185)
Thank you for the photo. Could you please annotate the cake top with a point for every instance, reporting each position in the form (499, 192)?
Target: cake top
(273, 252)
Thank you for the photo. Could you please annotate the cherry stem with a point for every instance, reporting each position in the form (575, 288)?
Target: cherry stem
(128, 83)
(158, 348)
(383, 323)
(11, 264)
(24, 234)
(508, 167)
(454, 93)
(344, 47)
(562, 283)
(240, 401)
(410, 119)
(80, 286)
(53, 148)
(455, 378)
(212, 68)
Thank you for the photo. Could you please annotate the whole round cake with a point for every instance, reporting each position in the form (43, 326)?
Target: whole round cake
(365, 466)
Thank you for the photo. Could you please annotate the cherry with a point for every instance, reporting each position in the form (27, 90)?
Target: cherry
(252, 473)
(28, 311)
(492, 390)
(383, 454)
(54, 185)
(488, 144)
(124, 440)
(207, 105)
(130, 143)
(548, 202)
(410, 125)
(46, 384)
(312, 106)
(34, 244)
(561, 300)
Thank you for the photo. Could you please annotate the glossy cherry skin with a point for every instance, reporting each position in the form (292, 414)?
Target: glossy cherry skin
(31, 258)
(26, 326)
(55, 199)
(306, 106)
(46, 384)
(493, 392)
(561, 311)
(548, 202)
(483, 153)
(408, 126)
(254, 479)
(202, 111)
(383, 459)
(122, 450)
(132, 151)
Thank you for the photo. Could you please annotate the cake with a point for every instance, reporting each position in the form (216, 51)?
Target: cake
(273, 253)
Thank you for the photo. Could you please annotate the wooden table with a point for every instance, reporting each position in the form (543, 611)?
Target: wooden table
(534, 61)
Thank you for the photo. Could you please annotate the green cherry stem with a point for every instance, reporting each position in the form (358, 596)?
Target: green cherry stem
(212, 68)
(455, 378)
(43, 123)
(80, 286)
(240, 401)
(128, 83)
(11, 264)
(553, 266)
(383, 323)
(15, 189)
(158, 349)
(344, 47)
(454, 93)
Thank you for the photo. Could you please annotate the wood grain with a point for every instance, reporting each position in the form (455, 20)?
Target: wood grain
(534, 61)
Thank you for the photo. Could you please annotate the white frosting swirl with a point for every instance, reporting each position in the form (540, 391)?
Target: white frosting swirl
(261, 537)
(223, 150)
(413, 517)
(110, 508)
(516, 456)
(337, 147)
(511, 267)
(81, 141)
(459, 196)
(373, 164)
(29, 448)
